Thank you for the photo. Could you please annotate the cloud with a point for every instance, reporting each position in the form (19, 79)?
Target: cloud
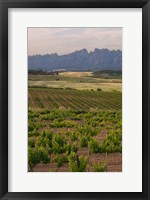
(66, 40)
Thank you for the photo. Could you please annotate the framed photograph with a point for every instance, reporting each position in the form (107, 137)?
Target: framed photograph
(74, 99)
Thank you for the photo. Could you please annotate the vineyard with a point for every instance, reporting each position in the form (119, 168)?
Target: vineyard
(74, 130)
(43, 98)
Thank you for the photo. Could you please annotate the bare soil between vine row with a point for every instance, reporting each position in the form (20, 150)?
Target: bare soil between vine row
(113, 160)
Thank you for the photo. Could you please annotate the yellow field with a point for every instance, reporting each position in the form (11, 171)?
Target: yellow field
(75, 80)
(80, 86)
(76, 74)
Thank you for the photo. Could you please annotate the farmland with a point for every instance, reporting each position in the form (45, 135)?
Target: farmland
(73, 99)
(76, 80)
(73, 129)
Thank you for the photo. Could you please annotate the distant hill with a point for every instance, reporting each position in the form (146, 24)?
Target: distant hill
(108, 74)
(99, 59)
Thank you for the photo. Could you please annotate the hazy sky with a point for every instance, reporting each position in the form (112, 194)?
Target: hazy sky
(66, 40)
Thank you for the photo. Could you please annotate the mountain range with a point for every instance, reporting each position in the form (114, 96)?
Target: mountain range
(82, 60)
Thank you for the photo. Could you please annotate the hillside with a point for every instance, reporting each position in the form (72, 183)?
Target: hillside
(99, 59)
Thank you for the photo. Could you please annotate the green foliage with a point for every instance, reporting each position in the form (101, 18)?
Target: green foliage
(69, 130)
(31, 127)
(37, 155)
(84, 141)
(43, 155)
(88, 115)
(32, 115)
(82, 164)
(108, 74)
(54, 115)
(42, 112)
(33, 133)
(33, 158)
(100, 167)
(99, 89)
(80, 101)
(61, 159)
(77, 164)
(74, 147)
(31, 143)
(60, 124)
(92, 123)
(73, 135)
(94, 146)
(76, 118)
(80, 112)
(112, 143)
(45, 140)
(87, 130)
(59, 144)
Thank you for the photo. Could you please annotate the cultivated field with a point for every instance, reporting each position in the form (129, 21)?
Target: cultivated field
(73, 99)
(76, 80)
(74, 130)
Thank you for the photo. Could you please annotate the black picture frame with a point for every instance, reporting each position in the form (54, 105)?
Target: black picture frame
(4, 6)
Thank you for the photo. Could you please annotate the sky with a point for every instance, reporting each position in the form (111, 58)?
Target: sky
(66, 40)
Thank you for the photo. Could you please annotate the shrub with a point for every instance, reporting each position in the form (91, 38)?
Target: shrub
(113, 142)
(43, 155)
(80, 112)
(30, 127)
(73, 136)
(59, 139)
(83, 141)
(60, 124)
(92, 123)
(100, 167)
(83, 164)
(45, 140)
(59, 144)
(99, 89)
(74, 147)
(88, 115)
(33, 158)
(94, 146)
(87, 131)
(45, 117)
(42, 112)
(33, 133)
(31, 143)
(36, 156)
(76, 118)
(61, 160)
(77, 164)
